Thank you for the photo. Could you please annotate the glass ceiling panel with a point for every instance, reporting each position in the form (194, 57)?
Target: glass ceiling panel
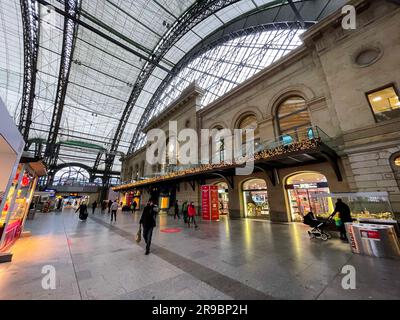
(222, 68)
(103, 73)
(11, 56)
(235, 10)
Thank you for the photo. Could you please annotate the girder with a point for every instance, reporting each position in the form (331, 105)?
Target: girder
(30, 23)
(197, 13)
(69, 38)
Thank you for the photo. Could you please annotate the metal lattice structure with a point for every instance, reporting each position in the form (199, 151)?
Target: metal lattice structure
(69, 34)
(30, 22)
(90, 72)
(222, 65)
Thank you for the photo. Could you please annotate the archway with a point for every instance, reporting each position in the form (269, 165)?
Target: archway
(308, 191)
(255, 199)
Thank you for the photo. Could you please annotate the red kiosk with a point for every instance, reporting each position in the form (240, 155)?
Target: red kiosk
(209, 203)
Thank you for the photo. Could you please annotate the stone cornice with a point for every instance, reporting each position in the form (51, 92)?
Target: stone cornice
(193, 90)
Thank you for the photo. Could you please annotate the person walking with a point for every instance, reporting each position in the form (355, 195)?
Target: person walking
(109, 205)
(134, 205)
(185, 211)
(176, 210)
(94, 206)
(83, 212)
(103, 206)
(114, 208)
(148, 221)
(344, 215)
(192, 214)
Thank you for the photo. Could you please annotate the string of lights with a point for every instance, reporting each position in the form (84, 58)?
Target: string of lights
(266, 154)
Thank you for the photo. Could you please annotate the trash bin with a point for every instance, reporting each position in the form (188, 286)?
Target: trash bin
(373, 240)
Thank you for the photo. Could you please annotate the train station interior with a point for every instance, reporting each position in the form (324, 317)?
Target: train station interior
(199, 150)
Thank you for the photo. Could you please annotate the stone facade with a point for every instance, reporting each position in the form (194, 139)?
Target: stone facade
(323, 71)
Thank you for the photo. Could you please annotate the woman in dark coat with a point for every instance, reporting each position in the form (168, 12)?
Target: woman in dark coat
(148, 221)
(83, 212)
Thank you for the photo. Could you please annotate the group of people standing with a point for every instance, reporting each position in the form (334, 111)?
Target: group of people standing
(111, 205)
(188, 211)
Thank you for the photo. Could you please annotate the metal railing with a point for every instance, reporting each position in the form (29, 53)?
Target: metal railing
(289, 138)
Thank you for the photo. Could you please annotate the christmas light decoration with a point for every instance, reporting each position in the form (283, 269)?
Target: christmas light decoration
(266, 154)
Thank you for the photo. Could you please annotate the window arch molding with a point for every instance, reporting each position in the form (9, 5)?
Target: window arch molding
(301, 90)
(394, 159)
(243, 113)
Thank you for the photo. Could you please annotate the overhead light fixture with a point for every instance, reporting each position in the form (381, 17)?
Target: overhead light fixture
(377, 99)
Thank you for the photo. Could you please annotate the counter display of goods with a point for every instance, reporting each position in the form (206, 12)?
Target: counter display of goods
(364, 205)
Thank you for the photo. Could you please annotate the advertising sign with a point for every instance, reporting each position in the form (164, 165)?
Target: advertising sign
(209, 203)
(214, 203)
(205, 202)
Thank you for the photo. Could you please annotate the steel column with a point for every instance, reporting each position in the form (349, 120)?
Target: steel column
(30, 23)
(69, 39)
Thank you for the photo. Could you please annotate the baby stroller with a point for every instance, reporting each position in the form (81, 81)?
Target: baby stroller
(317, 231)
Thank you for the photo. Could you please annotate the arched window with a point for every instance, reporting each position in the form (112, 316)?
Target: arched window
(255, 199)
(219, 146)
(294, 120)
(246, 123)
(71, 176)
(395, 163)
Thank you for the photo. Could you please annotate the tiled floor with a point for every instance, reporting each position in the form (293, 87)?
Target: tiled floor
(223, 260)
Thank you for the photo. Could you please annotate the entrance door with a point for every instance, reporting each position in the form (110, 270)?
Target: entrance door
(255, 199)
(307, 192)
(223, 199)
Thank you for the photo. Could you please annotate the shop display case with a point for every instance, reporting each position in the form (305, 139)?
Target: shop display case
(16, 206)
(367, 205)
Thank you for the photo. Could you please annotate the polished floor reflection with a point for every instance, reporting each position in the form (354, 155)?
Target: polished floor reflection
(229, 259)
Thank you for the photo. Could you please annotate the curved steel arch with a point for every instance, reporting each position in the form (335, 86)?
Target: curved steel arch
(30, 23)
(198, 52)
(194, 15)
(72, 7)
(203, 46)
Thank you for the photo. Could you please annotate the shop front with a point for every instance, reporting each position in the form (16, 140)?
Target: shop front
(223, 199)
(255, 199)
(18, 200)
(308, 191)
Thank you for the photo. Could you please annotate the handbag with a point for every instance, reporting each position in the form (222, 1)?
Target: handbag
(139, 234)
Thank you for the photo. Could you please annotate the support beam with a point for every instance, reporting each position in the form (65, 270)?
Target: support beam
(196, 14)
(333, 160)
(268, 171)
(297, 13)
(30, 24)
(69, 39)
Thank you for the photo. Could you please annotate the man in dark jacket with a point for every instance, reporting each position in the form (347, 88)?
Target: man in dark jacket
(344, 215)
(148, 221)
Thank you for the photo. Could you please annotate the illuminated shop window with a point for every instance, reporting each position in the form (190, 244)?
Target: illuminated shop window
(255, 199)
(385, 103)
(294, 120)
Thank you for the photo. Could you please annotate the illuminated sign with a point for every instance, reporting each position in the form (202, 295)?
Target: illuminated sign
(305, 186)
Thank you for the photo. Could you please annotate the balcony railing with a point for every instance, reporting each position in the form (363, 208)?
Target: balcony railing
(301, 138)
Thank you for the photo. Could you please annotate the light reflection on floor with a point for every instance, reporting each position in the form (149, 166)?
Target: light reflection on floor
(95, 261)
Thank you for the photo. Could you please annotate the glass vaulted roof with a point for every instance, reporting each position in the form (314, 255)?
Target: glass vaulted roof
(115, 43)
